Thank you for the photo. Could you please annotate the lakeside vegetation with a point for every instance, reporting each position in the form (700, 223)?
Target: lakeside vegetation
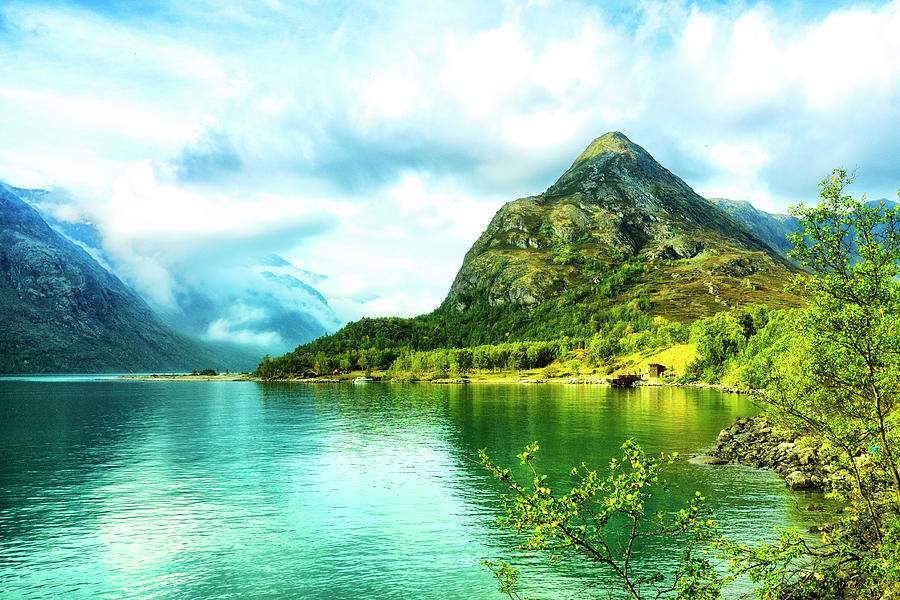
(831, 370)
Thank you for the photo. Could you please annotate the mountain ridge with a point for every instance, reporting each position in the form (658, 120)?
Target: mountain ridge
(243, 300)
(63, 312)
(619, 248)
(615, 203)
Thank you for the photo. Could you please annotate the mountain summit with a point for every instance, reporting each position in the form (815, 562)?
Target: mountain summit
(614, 206)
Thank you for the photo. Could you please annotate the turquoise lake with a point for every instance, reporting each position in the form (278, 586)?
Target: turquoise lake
(154, 489)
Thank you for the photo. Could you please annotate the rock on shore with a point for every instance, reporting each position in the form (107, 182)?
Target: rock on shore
(800, 461)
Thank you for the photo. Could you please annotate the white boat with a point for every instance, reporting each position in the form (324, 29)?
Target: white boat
(362, 379)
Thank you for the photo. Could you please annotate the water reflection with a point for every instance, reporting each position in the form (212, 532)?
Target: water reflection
(232, 490)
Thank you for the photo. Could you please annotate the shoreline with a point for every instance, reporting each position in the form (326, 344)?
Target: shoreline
(652, 382)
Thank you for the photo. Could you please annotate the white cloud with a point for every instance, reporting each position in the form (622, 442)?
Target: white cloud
(739, 159)
(221, 330)
(401, 128)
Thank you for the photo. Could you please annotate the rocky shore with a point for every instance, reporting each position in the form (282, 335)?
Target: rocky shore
(800, 461)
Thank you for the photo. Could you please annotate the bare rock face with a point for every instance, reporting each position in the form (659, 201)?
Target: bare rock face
(614, 204)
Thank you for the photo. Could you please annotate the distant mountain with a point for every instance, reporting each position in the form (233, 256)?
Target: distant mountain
(262, 303)
(615, 204)
(771, 228)
(883, 202)
(63, 312)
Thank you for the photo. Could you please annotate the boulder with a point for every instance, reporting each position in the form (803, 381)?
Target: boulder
(705, 459)
(797, 480)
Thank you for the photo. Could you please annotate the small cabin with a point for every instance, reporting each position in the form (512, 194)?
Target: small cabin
(656, 369)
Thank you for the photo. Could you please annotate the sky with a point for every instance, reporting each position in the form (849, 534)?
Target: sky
(372, 142)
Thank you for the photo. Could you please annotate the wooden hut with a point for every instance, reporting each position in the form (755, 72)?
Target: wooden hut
(656, 369)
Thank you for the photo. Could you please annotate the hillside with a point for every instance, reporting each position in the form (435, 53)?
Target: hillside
(617, 246)
(617, 204)
(63, 312)
(772, 228)
(252, 298)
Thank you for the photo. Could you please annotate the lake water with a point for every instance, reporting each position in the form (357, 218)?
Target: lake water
(134, 489)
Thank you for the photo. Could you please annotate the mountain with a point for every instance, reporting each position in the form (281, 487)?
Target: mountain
(771, 228)
(617, 205)
(263, 303)
(63, 312)
(619, 254)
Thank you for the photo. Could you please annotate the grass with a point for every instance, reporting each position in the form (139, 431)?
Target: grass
(674, 359)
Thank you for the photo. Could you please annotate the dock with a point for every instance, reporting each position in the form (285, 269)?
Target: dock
(626, 380)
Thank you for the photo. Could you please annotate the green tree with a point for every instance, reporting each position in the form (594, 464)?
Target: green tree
(603, 518)
(323, 364)
(463, 359)
(266, 369)
(518, 358)
(841, 380)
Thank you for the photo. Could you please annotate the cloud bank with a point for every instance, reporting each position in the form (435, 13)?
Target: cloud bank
(373, 142)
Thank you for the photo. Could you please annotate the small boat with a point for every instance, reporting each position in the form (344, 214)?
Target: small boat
(362, 379)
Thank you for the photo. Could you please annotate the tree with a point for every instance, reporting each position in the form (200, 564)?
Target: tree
(323, 364)
(266, 369)
(463, 359)
(518, 358)
(602, 520)
(841, 379)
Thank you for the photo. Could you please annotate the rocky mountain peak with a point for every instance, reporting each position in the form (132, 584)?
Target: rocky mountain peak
(615, 203)
(613, 142)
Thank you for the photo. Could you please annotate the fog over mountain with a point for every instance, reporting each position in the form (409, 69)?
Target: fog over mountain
(63, 312)
(218, 294)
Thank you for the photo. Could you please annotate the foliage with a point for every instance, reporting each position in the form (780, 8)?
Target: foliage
(841, 380)
(496, 337)
(587, 523)
(603, 520)
(722, 338)
(836, 372)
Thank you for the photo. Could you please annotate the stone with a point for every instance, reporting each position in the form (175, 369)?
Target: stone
(703, 459)
(797, 480)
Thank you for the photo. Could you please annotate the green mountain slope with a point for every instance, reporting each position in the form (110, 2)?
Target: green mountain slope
(615, 204)
(63, 312)
(617, 241)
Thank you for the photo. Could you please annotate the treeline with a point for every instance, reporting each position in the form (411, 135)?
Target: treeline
(602, 336)
(735, 347)
(738, 347)
(577, 314)
(577, 329)
(494, 358)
